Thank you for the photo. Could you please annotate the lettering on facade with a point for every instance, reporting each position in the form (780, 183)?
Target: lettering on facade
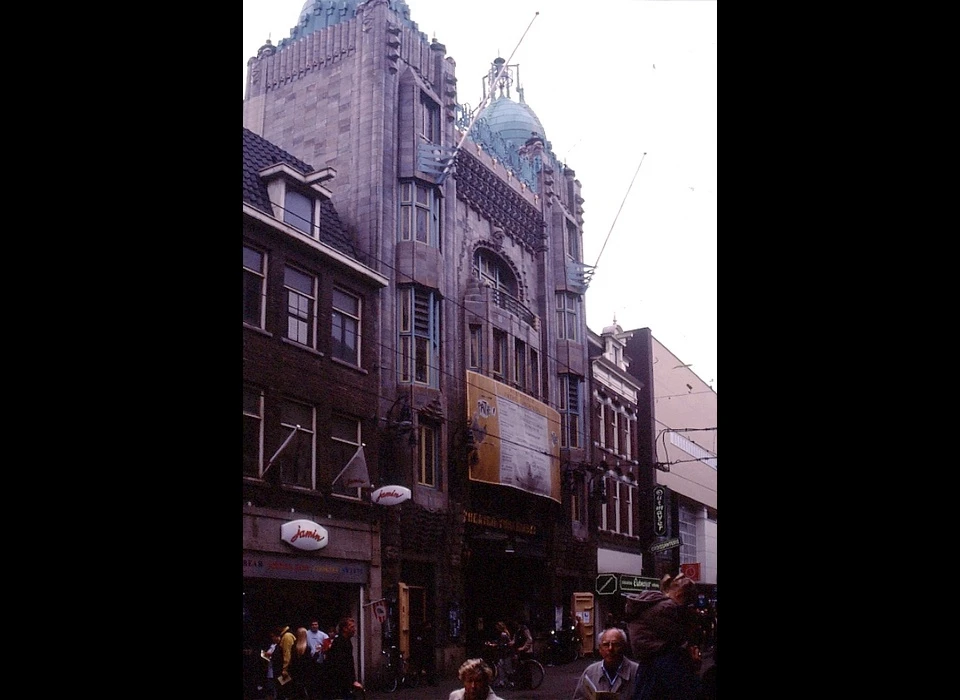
(312, 534)
(498, 523)
(660, 510)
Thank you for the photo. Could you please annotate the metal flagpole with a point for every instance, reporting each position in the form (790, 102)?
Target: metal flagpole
(483, 103)
(349, 462)
(280, 449)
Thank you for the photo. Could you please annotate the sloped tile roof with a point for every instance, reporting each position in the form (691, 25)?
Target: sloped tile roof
(258, 153)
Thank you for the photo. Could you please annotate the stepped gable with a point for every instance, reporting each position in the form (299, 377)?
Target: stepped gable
(258, 153)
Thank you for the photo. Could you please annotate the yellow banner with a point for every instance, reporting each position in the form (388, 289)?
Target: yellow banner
(517, 438)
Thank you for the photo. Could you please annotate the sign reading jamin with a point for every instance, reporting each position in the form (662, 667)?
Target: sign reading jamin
(516, 438)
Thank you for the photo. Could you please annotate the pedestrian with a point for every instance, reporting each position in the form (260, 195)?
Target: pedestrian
(614, 672)
(708, 681)
(283, 640)
(660, 625)
(422, 652)
(270, 689)
(340, 674)
(476, 675)
(301, 666)
(318, 642)
(522, 643)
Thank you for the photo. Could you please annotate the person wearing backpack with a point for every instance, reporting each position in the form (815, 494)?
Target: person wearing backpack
(661, 627)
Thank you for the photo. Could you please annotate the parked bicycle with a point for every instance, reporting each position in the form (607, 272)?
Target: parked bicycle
(395, 672)
(527, 674)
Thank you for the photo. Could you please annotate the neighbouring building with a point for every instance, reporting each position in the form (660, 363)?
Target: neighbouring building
(310, 389)
(678, 436)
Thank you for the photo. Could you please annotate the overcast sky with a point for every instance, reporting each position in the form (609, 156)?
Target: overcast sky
(609, 81)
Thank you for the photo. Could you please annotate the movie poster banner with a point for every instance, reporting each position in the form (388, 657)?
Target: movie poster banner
(517, 438)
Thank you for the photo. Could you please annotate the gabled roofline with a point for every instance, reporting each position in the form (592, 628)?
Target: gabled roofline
(319, 246)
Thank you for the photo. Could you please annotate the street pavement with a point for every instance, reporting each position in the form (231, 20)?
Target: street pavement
(559, 682)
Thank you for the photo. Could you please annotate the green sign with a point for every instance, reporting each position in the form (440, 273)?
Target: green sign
(666, 544)
(638, 584)
(606, 584)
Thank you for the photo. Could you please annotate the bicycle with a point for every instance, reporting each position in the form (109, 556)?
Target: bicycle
(527, 674)
(395, 671)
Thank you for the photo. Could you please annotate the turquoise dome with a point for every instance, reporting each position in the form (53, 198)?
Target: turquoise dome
(515, 122)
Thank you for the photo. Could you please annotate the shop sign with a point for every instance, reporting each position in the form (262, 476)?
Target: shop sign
(691, 570)
(666, 544)
(659, 511)
(638, 584)
(390, 495)
(304, 534)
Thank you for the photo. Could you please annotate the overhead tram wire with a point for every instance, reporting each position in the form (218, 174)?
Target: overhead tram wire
(483, 103)
(618, 211)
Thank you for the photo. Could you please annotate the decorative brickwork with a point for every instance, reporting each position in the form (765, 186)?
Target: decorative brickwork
(489, 194)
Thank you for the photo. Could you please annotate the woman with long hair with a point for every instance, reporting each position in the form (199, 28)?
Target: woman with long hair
(300, 660)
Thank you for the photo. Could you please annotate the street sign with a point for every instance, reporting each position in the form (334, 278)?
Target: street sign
(638, 584)
(606, 584)
(666, 544)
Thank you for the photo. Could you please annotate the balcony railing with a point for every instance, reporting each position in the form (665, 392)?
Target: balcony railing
(510, 303)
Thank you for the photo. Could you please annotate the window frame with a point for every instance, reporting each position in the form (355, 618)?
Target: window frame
(420, 203)
(568, 316)
(254, 435)
(345, 317)
(310, 318)
(571, 417)
(419, 346)
(338, 441)
(428, 455)
(476, 348)
(294, 218)
(293, 452)
(254, 297)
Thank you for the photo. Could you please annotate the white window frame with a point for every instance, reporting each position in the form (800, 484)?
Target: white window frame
(342, 315)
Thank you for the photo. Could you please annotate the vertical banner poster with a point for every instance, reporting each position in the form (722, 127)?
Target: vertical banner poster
(517, 438)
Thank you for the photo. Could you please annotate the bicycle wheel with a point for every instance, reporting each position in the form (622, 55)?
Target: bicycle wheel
(388, 676)
(534, 673)
(411, 677)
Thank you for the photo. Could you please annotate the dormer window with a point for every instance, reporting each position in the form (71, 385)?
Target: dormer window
(298, 211)
(295, 196)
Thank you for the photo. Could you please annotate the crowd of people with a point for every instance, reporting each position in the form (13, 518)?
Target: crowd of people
(652, 653)
(310, 664)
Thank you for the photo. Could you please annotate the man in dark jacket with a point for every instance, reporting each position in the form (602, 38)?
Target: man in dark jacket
(340, 669)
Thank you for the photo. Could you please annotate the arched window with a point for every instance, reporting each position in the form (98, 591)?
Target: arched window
(494, 271)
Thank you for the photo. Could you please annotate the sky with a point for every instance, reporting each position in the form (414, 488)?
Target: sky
(626, 91)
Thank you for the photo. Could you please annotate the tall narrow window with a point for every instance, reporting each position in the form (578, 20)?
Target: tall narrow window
(346, 327)
(568, 314)
(420, 213)
(301, 291)
(344, 441)
(429, 454)
(298, 211)
(499, 354)
(520, 364)
(252, 431)
(430, 125)
(573, 241)
(254, 286)
(419, 342)
(570, 425)
(476, 348)
(298, 458)
(534, 374)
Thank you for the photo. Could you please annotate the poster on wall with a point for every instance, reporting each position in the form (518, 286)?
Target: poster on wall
(516, 438)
